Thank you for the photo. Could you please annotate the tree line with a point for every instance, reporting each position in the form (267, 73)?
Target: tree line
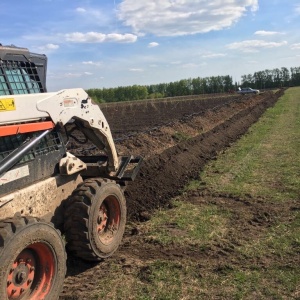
(196, 86)
(272, 78)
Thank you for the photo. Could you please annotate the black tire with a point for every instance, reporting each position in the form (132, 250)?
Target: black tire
(32, 260)
(95, 218)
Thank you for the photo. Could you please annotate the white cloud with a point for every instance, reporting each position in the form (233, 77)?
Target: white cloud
(153, 44)
(182, 17)
(92, 63)
(297, 9)
(295, 46)
(80, 9)
(49, 47)
(71, 75)
(254, 45)
(52, 46)
(213, 55)
(93, 15)
(189, 65)
(266, 33)
(176, 62)
(192, 65)
(136, 70)
(97, 37)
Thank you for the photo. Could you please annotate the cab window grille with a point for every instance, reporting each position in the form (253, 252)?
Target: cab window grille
(19, 78)
(50, 143)
(4, 90)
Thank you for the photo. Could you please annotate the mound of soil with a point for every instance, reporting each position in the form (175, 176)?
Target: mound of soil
(176, 153)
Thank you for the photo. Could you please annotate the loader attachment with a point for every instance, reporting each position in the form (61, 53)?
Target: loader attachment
(96, 167)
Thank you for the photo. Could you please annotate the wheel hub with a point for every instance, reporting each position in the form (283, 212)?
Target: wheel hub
(21, 274)
(21, 277)
(108, 220)
(102, 219)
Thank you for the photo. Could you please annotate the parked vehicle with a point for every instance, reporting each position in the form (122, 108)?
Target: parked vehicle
(247, 90)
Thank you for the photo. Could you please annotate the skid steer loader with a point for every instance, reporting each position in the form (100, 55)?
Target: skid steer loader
(44, 188)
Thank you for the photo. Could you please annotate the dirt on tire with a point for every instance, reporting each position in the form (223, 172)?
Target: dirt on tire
(174, 153)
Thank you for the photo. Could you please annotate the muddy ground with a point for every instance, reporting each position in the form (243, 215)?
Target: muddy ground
(174, 154)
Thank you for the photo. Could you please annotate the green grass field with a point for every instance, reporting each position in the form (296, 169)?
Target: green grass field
(265, 162)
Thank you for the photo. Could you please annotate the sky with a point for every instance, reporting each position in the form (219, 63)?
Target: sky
(111, 43)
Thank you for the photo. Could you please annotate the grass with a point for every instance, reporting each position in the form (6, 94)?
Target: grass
(281, 240)
(180, 136)
(185, 224)
(236, 258)
(265, 162)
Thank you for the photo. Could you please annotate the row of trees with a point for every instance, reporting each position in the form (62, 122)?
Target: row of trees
(126, 93)
(272, 78)
(196, 86)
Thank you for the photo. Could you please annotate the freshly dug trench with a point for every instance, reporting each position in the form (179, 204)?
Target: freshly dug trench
(164, 175)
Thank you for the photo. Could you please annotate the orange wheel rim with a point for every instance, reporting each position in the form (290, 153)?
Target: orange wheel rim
(31, 273)
(108, 219)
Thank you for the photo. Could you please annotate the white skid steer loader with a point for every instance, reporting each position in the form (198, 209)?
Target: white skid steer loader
(44, 189)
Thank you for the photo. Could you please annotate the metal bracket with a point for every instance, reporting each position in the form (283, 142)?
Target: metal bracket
(71, 164)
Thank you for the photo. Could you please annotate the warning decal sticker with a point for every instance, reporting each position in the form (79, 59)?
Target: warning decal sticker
(7, 104)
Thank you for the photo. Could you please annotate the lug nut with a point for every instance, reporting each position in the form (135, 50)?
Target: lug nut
(21, 260)
(28, 260)
(32, 269)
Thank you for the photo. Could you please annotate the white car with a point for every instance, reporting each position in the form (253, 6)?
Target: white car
(245, 91)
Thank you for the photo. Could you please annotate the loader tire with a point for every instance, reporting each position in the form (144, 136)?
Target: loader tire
(95, 218)
(32, 260)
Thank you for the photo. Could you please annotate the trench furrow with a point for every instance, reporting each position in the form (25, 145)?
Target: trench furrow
(163, 176)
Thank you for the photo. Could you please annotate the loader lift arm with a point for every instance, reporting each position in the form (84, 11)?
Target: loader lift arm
(61, 108)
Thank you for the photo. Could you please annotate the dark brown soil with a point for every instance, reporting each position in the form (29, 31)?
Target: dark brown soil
(174, 154)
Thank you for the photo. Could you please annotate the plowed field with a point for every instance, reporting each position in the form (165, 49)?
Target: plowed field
(176, 138)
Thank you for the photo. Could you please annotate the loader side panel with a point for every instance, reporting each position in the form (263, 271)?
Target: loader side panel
(44, 199)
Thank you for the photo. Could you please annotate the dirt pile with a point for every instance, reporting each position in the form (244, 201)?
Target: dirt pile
(170, 164)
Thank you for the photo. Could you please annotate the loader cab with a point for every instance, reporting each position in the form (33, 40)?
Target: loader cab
(21, 72)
